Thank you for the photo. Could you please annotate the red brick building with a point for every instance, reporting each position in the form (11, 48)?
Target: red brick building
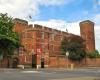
(44, 41)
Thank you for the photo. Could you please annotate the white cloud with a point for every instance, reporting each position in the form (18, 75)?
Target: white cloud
(96, 5)
(97, 18)
(24, 8)
(19, 8)
(97, 36)
(98, 2)
(60, 25)
(71, 27)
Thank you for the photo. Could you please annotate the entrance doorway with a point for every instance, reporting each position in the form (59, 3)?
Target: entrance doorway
(15, 62)
(34, 61)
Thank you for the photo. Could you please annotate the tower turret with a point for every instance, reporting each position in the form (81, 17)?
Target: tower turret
(87, 33)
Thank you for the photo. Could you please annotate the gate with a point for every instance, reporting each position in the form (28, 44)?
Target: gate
(34, 61)
(15, 62)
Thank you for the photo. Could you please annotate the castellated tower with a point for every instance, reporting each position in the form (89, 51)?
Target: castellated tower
(87, 33)
(19, 25)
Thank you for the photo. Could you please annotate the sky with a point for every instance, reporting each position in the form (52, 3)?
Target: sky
(57, 14)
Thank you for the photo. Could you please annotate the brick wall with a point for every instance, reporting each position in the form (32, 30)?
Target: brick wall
(62, 62)
(59, 61)
(93, 62)
(4, 63)
(48, 39)
(25, 59)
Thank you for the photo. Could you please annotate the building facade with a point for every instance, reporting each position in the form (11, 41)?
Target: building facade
(45, 42)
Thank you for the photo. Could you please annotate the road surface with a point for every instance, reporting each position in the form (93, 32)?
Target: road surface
(49, 74)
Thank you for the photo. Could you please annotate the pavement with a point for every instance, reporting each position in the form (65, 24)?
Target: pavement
(54, 69)
(9, 69)
(79, 78)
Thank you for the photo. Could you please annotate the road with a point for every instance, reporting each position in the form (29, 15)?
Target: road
(48, 74)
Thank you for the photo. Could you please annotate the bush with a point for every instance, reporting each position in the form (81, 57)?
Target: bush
(94, 54)
(77, 56)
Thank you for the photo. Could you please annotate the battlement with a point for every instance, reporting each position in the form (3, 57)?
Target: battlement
(86, 22)
(49, 30)
(17, 20)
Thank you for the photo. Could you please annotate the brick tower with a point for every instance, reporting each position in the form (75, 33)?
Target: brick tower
(20, 25)
(87, 33)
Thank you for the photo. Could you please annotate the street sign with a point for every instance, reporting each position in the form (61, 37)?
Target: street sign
(67, 53)
(1, 56)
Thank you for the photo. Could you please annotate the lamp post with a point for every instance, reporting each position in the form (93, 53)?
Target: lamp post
(67, 54)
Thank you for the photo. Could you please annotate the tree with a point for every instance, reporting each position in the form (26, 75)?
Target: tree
(9, 40)
(75, 46)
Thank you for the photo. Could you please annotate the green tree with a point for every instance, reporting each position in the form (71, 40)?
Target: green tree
(75, 46)
(9, 40)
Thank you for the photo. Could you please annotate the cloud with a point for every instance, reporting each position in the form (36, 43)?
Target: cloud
(97, 18)
(98, 1)
(97, 36)
(71, 27)
(51, 2)
(19, 8)
(60, 25)
(24, 8)
(96, 5)
(55, 2)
